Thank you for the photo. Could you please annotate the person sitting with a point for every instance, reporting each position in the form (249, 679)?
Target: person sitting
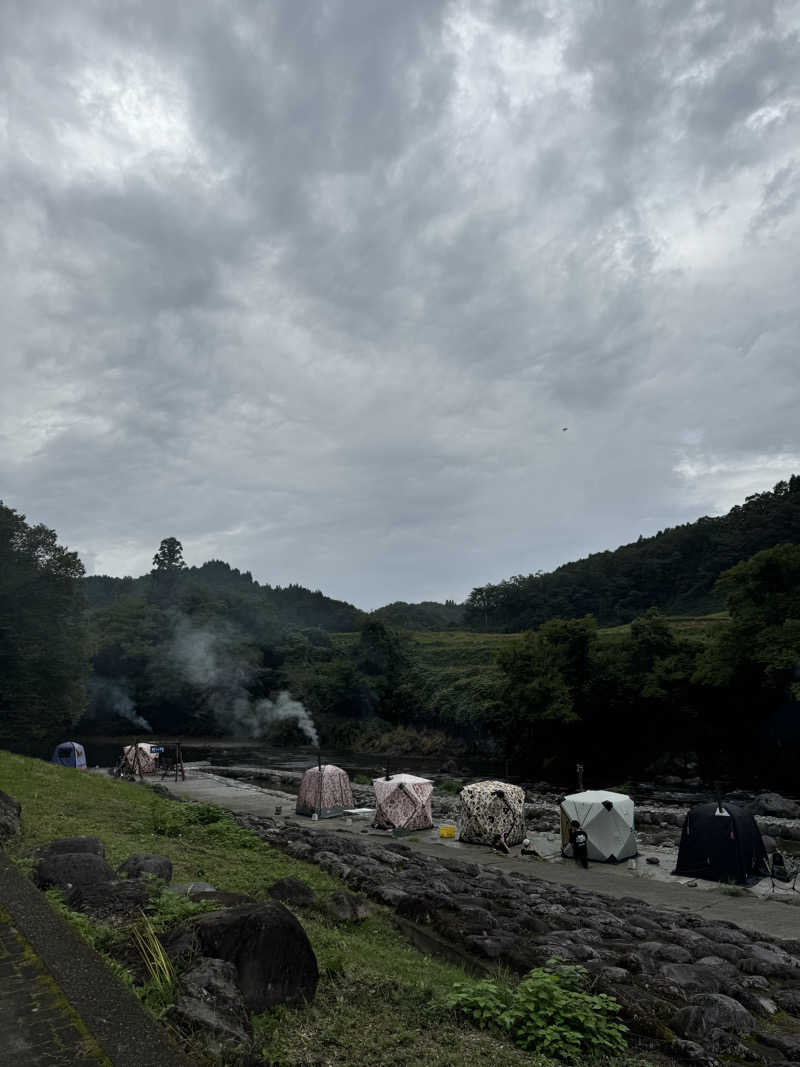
(580, 843)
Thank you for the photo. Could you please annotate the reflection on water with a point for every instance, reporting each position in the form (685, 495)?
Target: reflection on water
(227, 752)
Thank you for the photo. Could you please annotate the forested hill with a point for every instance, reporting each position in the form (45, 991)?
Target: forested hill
(288, 607)
(429, 615)
(674, 571)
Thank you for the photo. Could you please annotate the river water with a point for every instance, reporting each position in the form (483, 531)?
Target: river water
(230, 751)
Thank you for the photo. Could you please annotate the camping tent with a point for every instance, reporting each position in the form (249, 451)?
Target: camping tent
(721, 843)
(69, 754)
(325, 790)
(606, 818)
(140, 759)
(403, 802)
(489, 809)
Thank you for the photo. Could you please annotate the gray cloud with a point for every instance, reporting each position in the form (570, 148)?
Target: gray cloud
(316, 287)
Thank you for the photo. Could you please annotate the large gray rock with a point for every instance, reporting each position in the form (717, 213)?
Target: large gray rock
(690, 978)
(292, 891)
(73, 845)
(106, 900)
(712, 1019)
(771, 961)
(342, 906)
(274, 960)
(209, 997)
(10, 816)
(67, 869)
(141, 863)
(776, 805)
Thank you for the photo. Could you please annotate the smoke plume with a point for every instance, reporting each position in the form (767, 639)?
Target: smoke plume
(107, 697)
(219, 661)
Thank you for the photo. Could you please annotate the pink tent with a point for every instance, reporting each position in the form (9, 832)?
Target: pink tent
(140, 759)
(403, 802)
(324, 790)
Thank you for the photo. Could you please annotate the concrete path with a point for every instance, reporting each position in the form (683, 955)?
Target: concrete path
(59, 1002)
(776, 916)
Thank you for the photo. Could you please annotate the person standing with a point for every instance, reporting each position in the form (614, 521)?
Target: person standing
(580, 843)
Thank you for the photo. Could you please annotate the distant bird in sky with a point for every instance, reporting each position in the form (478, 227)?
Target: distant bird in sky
(564, 429)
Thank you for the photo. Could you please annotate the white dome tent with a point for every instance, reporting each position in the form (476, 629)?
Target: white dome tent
(607, 820)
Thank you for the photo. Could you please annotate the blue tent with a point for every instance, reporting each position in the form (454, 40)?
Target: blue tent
(69, 754)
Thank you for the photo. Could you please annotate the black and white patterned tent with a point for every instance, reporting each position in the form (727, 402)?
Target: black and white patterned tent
(491, 809)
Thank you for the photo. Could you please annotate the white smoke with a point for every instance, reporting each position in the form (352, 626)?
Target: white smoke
(215, 660)
(284, 707)
(109, 696)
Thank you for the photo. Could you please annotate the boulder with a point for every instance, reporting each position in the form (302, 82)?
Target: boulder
(776, 805)
(691, 1052)
(146, 863)
(292, 891)
(788, 1046)
(789, 1000)
(274, 961)
(73, 845)
(67, 869)
(209, 997)
(712, 1019)
(769, 961)
(690, 978)
(106, 900)
(342, 906)
(10, 816)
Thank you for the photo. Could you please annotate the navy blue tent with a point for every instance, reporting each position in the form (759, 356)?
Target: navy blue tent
(721, 843)
(69, 754)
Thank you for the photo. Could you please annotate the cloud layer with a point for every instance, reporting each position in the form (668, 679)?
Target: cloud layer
(315, 288)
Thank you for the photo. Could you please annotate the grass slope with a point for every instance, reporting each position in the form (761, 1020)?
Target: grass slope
(379, 1002)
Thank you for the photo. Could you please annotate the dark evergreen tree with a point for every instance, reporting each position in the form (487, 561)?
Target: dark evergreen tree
(43, 635)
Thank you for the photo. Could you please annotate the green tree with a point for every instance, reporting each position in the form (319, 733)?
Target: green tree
(43, 636)
(547, 676)
(169, 557)
(751, 666)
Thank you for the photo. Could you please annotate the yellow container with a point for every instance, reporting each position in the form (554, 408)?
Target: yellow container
(447, 831)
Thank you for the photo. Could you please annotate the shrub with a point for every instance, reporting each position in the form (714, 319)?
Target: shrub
(547, 1012)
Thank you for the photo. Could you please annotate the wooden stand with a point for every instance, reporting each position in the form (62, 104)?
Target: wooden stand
(177, 766)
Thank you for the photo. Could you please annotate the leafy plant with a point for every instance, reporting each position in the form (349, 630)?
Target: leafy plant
(547, 1012)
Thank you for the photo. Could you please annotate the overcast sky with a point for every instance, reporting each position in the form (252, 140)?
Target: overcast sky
(316, 286)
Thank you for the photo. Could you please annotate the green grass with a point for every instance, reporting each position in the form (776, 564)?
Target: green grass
(379, 1000)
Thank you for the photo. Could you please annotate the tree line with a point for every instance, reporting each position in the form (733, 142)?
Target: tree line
(675, 571)
(204, 651)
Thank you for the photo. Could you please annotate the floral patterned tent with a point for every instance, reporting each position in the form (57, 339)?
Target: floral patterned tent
(489, 810)
(403, 802)
(140, 759)
(324, 790)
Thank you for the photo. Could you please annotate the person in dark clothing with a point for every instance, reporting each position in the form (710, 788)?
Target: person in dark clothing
(580, 843)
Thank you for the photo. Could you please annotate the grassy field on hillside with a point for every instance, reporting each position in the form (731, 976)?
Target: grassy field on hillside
(379, 1001)
(457, 672)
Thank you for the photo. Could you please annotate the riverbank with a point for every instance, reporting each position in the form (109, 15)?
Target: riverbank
(775, 915)
(378, 1001)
